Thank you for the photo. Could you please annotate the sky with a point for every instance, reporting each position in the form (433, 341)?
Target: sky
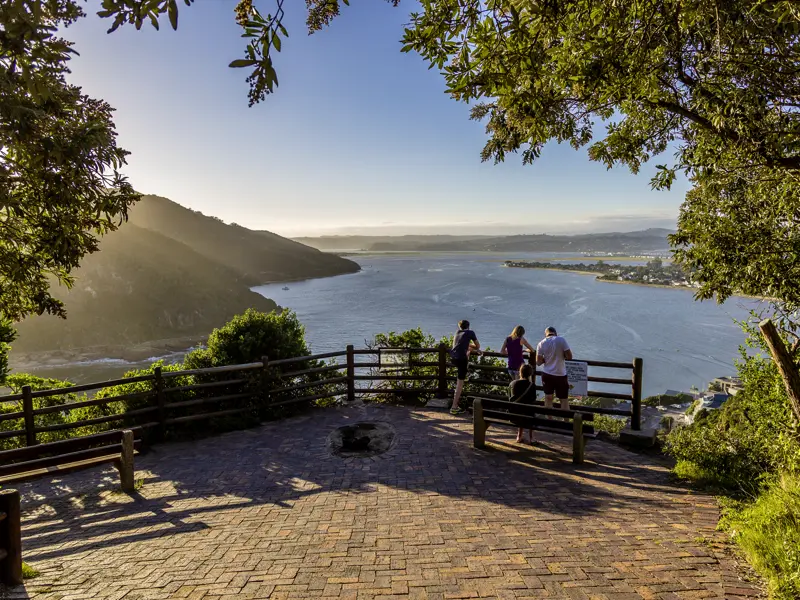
(359, 138)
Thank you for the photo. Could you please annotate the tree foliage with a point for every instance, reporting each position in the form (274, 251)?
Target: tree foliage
(60, 186)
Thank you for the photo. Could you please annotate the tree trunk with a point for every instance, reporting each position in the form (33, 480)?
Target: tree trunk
(789, 371)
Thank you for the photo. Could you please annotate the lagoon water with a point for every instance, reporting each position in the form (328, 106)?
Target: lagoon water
(683, 342)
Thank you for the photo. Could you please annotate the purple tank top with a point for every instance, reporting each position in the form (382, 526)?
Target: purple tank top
(514, 349)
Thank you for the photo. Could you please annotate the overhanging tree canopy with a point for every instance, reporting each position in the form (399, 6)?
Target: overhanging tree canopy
(60, 188)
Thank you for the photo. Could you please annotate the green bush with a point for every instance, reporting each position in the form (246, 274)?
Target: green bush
(768, 531)
(15, 382)
(753, 434)
(406, 391)
(608, 424)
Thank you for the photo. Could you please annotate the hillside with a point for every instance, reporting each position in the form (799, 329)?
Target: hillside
(168, 274)
(629, 242)
(259, 256)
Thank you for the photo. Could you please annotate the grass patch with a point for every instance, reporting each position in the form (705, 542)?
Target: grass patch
(28, 572)
(768, 532)
(704, 478)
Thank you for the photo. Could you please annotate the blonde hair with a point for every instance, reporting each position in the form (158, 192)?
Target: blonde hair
(518, 332)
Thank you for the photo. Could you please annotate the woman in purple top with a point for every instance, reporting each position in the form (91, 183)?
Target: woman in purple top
(512, 347)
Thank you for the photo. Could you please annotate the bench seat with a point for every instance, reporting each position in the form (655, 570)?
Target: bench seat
(55, 458)
(487, 411)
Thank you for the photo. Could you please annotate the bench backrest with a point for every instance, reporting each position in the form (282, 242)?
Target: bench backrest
(20, 460)
(531, 416)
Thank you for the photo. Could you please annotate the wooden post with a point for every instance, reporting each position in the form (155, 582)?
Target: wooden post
(478, 424)
(30, 423)
(265, 378)
(351, 373)
(442, 386)
(577, 438)
(789, 371)
(161, 401)
(11, 538)
(532, 362)
(636, 392)
(126, 463)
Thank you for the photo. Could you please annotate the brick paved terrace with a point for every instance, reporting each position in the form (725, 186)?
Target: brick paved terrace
(272, 513)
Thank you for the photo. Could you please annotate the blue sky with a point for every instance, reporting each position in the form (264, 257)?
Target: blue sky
(360, 138)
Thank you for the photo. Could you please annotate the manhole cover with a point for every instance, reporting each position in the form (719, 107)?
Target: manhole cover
(361, 439)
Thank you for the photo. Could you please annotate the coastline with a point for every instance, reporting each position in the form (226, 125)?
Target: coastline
(639, 283)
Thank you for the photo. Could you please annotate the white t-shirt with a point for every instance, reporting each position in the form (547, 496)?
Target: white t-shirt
(552, 350)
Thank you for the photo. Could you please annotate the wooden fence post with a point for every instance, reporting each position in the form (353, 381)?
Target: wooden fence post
(351, 373)
(10, 538)
(30, 423)
(442, 385)
(636, 392)
(786, 366)
(577, 439)
(126, 468)
(478, 424)
(532, 362)
(161, 401)
(265, 378)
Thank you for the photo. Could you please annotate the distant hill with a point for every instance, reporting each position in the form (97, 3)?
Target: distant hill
(169, 273)
(382, 242)
(648, 240)
(259, 256)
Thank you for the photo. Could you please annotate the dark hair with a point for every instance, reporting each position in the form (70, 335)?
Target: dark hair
(463, 324)
(551, 331)
(526, 371)
(518, 332)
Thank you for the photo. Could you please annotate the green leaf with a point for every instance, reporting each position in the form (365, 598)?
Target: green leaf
(241, 62)
(172, 10)
(276, 41)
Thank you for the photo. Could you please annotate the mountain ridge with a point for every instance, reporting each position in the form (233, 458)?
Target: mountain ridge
(169, 273)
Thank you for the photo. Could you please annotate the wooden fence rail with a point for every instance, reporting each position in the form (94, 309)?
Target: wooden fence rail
(165, 399)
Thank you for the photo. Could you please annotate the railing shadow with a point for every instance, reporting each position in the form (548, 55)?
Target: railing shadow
(185, 486)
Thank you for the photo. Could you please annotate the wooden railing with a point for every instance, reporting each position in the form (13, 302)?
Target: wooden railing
(173, 398)
(10, 538)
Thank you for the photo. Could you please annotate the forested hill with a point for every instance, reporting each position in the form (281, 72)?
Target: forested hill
(169, 273)
(634, 242)
(259, 256)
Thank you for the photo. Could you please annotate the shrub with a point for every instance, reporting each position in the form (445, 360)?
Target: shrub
(414, 391)
(754, 432)
(608, 424)
(15, 382)
(246, 338)
(768, 531)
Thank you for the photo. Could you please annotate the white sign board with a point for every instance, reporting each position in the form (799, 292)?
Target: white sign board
(578, 376)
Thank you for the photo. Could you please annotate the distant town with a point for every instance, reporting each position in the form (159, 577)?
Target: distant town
(655, 272)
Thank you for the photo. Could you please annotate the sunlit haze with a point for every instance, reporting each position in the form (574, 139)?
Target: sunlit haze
(360, 138)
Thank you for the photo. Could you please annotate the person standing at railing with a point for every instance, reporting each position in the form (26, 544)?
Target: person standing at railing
(551, 354)
(512, 347)
(464, 342)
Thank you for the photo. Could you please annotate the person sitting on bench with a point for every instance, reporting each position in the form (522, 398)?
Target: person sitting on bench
(523, 390)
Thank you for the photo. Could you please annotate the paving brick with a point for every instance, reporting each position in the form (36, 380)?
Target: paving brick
(271, 513)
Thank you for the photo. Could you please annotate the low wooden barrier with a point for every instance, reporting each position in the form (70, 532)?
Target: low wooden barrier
(169, 399)
(10, 538)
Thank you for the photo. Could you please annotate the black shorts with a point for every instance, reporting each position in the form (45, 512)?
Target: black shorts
(461, 365)
(558, 384)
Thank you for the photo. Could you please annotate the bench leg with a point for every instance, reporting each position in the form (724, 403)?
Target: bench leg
(578, 441)
(478, 425)
(126, 463)
(11, 538)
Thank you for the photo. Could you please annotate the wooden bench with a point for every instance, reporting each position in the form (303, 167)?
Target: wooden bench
(54, 458)
(486, 411)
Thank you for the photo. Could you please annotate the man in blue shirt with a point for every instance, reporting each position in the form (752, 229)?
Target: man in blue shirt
(464, 342)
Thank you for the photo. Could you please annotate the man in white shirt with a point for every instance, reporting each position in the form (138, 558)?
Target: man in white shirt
(551, 353)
